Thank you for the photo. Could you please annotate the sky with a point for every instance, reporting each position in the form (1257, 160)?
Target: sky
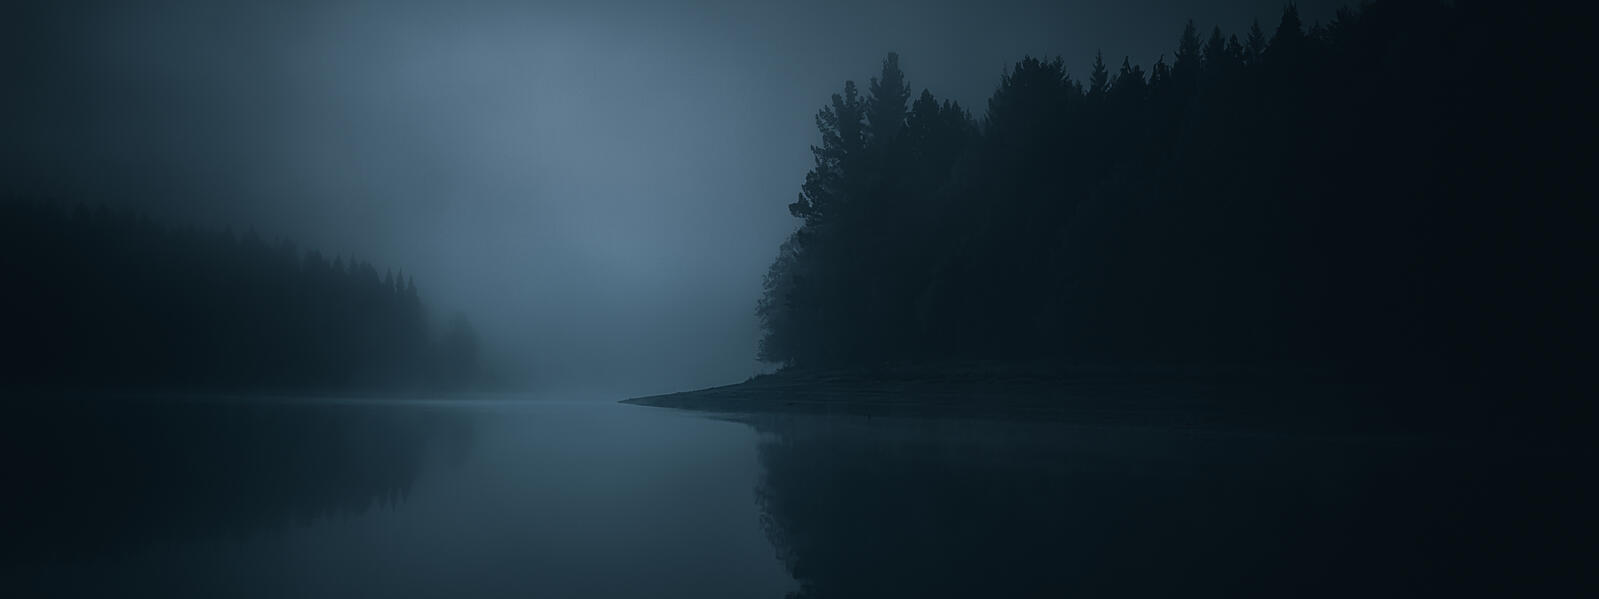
(599, 185)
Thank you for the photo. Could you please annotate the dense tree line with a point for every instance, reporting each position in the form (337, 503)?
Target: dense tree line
(104, 299)
(1387, 192)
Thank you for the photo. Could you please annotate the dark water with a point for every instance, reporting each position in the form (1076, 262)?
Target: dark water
(595, 499)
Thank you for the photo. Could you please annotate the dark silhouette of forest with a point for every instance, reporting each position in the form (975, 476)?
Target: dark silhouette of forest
(98, 299)
(1390, 193)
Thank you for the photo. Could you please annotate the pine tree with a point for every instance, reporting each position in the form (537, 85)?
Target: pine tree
(1160, 76)
(885, 102)
(1235, 50)
(1255, 46)
(1130, 86)
(1188, 47)
(1215, 49)
(1289, 40)
(843, 138)
(1098, 80)
(1185, 70)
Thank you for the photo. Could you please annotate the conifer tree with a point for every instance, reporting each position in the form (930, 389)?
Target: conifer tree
(1255, 46)
(1288, 42)
(1098, 80)
(885, 101)
(1215, 49)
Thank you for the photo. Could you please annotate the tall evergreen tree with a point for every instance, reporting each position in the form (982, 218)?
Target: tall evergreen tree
(1189, 59)
(885, 101)
(1288, 42)
(1255, 46)
(843, 139)
(1098, 80)
(1216, 48)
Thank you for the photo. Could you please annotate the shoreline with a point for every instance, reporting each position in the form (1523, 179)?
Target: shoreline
(1298, 402)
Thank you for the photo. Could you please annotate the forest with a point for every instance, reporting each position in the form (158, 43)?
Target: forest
(1388, 194)
(99, 299)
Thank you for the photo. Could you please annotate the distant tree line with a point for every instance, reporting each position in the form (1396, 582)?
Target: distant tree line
(100, 299)
(1384, 193)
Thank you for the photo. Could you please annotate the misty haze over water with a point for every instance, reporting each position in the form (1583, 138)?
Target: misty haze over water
(512, 497)
(835, 298)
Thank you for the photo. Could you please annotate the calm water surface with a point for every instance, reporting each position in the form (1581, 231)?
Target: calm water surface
(595, 499)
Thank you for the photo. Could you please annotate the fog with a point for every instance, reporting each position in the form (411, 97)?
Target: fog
(600, 186)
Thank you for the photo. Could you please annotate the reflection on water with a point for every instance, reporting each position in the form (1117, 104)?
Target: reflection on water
(380, 499)
(109, 477)
(943, 508)
(594, 499)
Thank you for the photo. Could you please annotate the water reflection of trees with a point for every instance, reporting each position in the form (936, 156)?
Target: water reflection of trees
(93, 478)
(880, 508)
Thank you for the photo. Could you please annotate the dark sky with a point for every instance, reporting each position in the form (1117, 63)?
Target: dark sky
(599, 184)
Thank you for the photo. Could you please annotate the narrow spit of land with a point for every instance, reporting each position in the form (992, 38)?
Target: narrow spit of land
(1298, 401)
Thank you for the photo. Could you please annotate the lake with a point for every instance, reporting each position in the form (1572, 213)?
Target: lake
(550, 498)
